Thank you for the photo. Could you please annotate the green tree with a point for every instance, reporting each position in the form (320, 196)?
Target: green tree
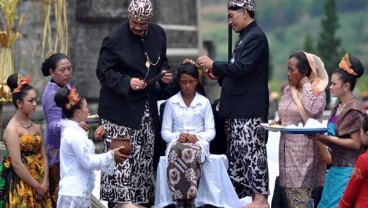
(328, 44)
(308, 43)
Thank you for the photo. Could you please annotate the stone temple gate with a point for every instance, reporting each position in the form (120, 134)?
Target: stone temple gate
(89, 21)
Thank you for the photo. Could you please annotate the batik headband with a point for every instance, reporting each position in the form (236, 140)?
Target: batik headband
(73, 98)
(21, 82)
(346, 65)
(140, 9)
(239, 4)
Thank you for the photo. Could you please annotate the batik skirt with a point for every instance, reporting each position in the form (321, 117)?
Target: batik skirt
(133, 179)
(247, 155)
(184, 170)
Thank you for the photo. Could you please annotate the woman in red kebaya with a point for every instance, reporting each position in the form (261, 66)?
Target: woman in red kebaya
(355, 194)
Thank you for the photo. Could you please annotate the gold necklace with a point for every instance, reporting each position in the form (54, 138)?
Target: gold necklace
(149, 62)
(25, 125)
(340, 108)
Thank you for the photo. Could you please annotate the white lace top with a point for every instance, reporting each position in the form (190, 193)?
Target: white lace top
(196, 119)
(78, 161)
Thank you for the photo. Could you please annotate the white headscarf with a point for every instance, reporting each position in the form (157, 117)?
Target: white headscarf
(319, 76)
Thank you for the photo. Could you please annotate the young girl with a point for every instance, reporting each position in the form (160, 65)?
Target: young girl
(77, 153)
(188, 127)
(26, 166)
(355, 194)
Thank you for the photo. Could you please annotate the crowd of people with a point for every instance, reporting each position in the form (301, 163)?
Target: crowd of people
(57, 169)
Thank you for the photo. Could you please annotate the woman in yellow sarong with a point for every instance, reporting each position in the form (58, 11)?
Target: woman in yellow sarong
(25, 167)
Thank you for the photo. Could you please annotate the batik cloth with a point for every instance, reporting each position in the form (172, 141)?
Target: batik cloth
(247, 154)
(133, 178)
(184, 170)
(299, 197)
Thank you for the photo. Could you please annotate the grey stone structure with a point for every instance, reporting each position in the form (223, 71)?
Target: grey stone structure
(89, 21)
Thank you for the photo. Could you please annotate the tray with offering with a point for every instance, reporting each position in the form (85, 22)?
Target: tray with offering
(312, 126)
(305, 130)
(274, 127)
(93, 118)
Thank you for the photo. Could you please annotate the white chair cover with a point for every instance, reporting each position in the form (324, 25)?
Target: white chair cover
(214, 187)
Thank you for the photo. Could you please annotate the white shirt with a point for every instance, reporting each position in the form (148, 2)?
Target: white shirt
(196, 119)
(78, 161)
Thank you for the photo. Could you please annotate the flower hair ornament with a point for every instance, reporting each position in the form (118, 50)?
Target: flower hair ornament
(73, 98)
(21, 82)
(346, 65)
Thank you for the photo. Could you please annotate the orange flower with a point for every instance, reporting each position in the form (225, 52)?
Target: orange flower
(21, 82)
(73, 98)
(346, 65)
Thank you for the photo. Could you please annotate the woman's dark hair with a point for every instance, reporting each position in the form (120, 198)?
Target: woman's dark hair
(191, 70)
(345, 77)
(51, 63)
(365, 123)
(61, 100)
(303, 64)
(12, 83)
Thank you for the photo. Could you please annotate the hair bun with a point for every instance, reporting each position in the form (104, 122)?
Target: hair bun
(12, 81)
(61, 97)
(357, 66)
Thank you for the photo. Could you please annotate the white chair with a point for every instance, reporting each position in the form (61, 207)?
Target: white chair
(214, 187)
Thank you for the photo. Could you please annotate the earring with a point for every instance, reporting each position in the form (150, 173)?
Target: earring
(345, 89)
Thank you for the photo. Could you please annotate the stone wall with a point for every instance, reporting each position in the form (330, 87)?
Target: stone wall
(89, 22)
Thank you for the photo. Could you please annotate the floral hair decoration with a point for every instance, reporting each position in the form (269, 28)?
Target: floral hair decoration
(21, 82)
(73, 98)
(346, 65)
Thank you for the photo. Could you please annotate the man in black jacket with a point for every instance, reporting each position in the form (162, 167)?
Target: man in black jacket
(244, 102)
(130, 58)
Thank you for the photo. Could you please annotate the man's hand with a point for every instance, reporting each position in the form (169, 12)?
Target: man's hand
(137, 84)
(167, 77)
(205, 62)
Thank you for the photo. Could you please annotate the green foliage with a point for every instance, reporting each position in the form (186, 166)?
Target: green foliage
(308, 44)
(328, 44)
(275, 85)
(362, 85)
(286, 37)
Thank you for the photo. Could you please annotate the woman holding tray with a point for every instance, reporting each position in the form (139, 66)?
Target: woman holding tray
(300, 167)
(344, 126)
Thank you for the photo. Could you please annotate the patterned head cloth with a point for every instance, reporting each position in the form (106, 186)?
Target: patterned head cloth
(140, 9)
(239, 4)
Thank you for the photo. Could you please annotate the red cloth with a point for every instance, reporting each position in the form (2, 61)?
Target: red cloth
(355, 194)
